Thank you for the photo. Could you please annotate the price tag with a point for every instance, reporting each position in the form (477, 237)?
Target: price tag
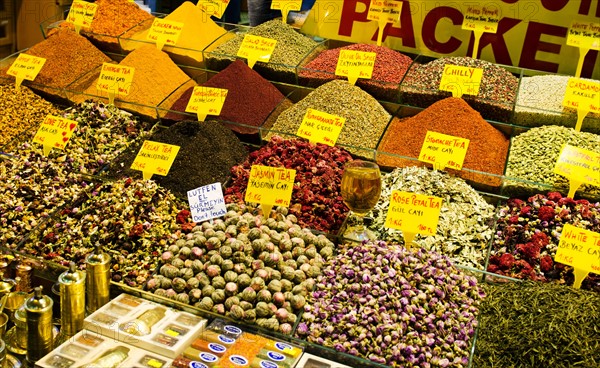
(384, 11)
(207, 202)
(586, 36)
(256, 48)
(270, 186)
(413, 214)
(321, 127)
(164, 32)
(54, 132)
(206, 101)
(155, 158)
(286, 6)
(115, 79)
(480, 20)
(580, 249)
(583, 95)
(580, 166)
(443, 151)
(81, 14)
(215, 8)
(355, 64)
(25, 67)
(461, 80)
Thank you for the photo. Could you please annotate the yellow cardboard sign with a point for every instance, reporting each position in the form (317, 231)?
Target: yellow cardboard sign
(270, 186)
(25, 67)
(256, 48)
(206, 101)
(384, 11)
(155, 158)
(583, 95)
(81, 14)
(580, 166)
(321, 127)
(286, 6)
(355, 64)
(413, 214)
(461, 80)
(584, 34)
(54, 132)
(215, 8)
(115, 79)
(164, 32)
(481, 18)
(444, 150)
(580, 249)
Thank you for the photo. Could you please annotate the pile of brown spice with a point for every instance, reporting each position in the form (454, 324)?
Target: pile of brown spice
(487, 151)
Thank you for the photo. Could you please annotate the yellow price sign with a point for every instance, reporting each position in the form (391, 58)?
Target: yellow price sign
(115, 79)
(215, 8)
(586, 36)
(580, 249)
(81, 14)
(54, 132)
(444, 150)
(164, 32)
(155, 158)
(206, 101)
(580, 166)
(321, 127)
(384, 11)
(25, 67)
(583, 95)
(461, 80)
(270, 186)
(355, 64)
(256, 48)
(413, 214)
(480, 20)
(286, 6)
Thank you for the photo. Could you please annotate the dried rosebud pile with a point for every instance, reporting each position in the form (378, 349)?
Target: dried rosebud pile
(528, 233)
(316, 198)
(246, 267)
(130, 219)
(394, 306)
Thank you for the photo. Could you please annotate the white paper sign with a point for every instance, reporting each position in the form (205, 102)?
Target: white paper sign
(207, 202)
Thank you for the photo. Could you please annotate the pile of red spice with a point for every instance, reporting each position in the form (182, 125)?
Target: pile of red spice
(487, 151)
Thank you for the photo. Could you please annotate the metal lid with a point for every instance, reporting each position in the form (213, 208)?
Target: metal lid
(72, 275)
(97, 257)
(38, 302)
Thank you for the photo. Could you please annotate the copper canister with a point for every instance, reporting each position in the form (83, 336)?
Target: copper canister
(97, 279)
(72, 300)
(23, 273)
(40, 340)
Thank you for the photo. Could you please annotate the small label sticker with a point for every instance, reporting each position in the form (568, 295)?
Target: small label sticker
(276, 356)
(25, 67)
(267, 364)
(206, 101)
(270, 186)
(355, 64)
(195, 364)
(584, 96)
(217, 348)
(208, 357)
(172, 333)
(321, 127)
(115, 80)
(215, 8)
(233, 330)
(54, 132)
(584, 34)
(443, 151)
(481, 18)
(81, 14)
(154, 363)
(155, 158)
(238, 360)
(256, 48)
(226, 340)
(413, 214)
(580, 249)
(286, 6)
(580, 166)
(284, 347)
(207, 202)
(164, 32)
(461, 80)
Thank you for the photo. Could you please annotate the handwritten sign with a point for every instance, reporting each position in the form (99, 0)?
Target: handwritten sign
(25, 67)
(413, 214)
(155, 158)
(215, 8)
(461, 80)
(586, 36)
(583, 95)
(580, 166)
(286, 6)
(444, 150)
(164, 32)
(270, 186)
(256, 48)
(81, 14)
(207, 202)
(580, 249)
(480, 20)
(115, 79)
(321, 127)
(206, 101)
(355, 64)
(54, 132)
(383, 12)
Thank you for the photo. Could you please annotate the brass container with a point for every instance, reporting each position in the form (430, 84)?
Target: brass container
(97, 279)
(72, 300)
(40, 338)
(23, 273)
